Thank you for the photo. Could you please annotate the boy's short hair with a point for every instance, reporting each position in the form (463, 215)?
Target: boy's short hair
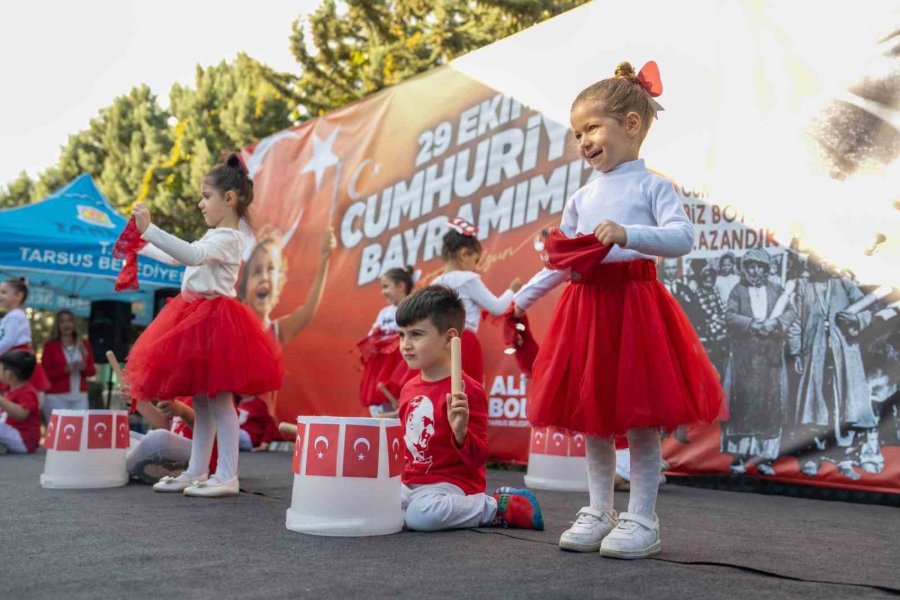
(20, 363)
(439, 304)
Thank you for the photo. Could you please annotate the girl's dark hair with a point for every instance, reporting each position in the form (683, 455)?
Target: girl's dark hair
(622, 93)
(55, 333)
(404, 276)
(454, 241)
(232, 175)
(19, 285)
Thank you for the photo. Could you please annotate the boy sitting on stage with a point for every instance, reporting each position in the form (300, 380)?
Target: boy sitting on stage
(446, 434)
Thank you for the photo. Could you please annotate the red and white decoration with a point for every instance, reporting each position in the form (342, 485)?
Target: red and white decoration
(86, 449)
(347, 476)
(556, 460)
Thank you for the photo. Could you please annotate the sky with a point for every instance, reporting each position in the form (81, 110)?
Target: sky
(62, 61)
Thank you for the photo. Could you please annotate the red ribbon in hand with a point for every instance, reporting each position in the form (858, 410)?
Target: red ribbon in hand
(126, 247)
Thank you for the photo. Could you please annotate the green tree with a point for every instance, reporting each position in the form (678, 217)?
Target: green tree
(358, 47)
(18, 192)
(230, 106)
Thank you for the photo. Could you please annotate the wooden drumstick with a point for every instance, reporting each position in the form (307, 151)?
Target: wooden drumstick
(456, 384)
(115, 365)
(288, 429)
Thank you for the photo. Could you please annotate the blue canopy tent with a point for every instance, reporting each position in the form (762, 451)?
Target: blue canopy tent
(63, 245)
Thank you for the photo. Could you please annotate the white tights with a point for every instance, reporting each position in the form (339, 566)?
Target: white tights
(215, 421)
(645, 459)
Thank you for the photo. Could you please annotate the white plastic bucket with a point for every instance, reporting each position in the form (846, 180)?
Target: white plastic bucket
(86, 449)
(556, 461)
(347, 477)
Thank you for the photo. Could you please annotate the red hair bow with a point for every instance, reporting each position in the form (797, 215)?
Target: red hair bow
(462, 226)
(651, 82)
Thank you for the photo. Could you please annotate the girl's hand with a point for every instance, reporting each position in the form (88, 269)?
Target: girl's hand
(141, 215)
(609, 233)
(329, 243)
(169, 408)
(516, 285)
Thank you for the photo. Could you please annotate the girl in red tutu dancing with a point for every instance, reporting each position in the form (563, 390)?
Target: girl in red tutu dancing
(384, 370)
(621, 358)
(205, 343)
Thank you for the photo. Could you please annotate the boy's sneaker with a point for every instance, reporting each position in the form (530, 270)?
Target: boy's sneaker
(588, 530)
(168, 485)
(3, 449)
(517, 508)
(152, 470)
(636, 536)
(213, 488)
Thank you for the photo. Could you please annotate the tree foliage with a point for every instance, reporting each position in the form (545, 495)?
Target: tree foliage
(138, 150)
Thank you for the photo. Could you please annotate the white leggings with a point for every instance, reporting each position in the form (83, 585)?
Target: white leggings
(158, 444)
(215, 420)
(438, 506)
(645, 460)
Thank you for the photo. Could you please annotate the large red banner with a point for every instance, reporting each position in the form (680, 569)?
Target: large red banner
(813, 399)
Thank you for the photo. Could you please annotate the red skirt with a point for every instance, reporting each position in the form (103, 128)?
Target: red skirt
(382, 365)
(620, 352)
(199, 346)
(472, 356)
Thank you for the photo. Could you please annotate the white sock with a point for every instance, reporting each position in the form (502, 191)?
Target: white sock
(228, 436)
(204, 434)
(601, 467)
(646, 452)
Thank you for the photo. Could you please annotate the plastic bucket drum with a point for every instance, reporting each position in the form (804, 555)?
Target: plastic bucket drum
(556, 461)
(347, 477)
(86, 449)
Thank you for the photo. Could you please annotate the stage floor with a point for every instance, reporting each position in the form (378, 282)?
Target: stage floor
(131, 543)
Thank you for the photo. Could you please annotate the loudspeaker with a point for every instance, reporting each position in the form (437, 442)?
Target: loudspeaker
(161, 296)
(109, 328)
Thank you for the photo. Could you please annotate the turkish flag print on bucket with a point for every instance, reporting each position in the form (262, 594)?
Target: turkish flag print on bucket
(100, 432)
(321, 451)
(361, 444)
(123, 437)
(69, 438)
(396, 450)
(50, 436)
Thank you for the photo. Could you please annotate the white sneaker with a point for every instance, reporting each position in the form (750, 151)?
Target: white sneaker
(588, 530)
(213, 488)
(177, 484)
(636, 536)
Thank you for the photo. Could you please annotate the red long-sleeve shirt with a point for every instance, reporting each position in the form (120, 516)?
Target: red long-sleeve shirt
(432, 455)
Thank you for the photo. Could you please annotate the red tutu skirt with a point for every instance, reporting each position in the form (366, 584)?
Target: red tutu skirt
(382, 365)
(620, 352)
(199, 346)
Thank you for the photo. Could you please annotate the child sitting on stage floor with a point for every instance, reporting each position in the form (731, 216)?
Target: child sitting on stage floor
(20, 416)
(446, 434)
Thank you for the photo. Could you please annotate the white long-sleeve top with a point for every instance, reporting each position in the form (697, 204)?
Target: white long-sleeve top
(645, 204)
(212, 262)
(15, 330)
(474, 296)
(386, 320)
